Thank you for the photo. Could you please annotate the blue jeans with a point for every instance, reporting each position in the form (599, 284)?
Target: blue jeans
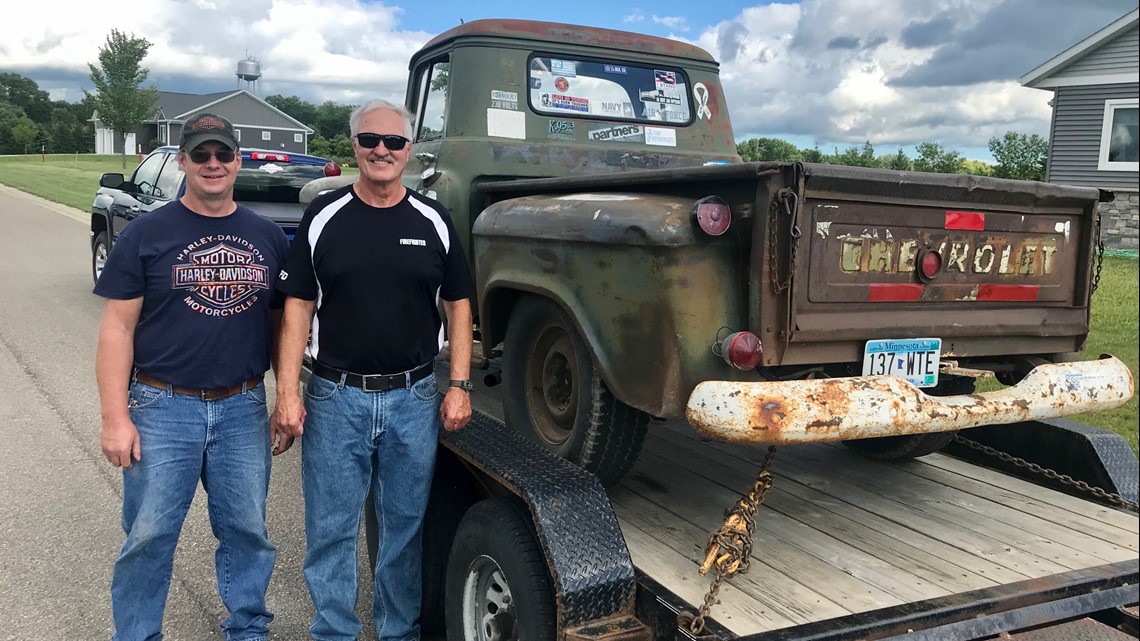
(353, 440)
(225, 444)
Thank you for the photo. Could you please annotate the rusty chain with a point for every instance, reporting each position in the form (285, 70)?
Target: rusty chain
(788, 198)
(1065, 479)
(1099, 254)
(730, 546)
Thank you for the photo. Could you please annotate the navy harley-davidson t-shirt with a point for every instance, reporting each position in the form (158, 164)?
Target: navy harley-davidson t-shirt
(207, 289)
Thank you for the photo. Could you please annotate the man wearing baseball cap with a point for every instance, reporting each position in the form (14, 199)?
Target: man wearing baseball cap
(185, 341)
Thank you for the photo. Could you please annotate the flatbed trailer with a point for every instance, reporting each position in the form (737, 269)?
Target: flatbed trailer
(845, 548)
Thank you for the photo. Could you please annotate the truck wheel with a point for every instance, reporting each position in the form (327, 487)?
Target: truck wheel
(909, 446)
(555, 396)
(498, 587)
(99, 250)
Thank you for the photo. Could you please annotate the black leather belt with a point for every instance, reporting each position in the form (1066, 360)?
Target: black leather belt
(374, 382)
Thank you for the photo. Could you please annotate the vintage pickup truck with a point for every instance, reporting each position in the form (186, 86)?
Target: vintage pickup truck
(630, 266)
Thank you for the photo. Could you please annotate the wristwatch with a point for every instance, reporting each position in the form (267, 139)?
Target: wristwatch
(465, 384)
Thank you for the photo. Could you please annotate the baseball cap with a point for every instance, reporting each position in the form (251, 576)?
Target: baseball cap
(207, 126)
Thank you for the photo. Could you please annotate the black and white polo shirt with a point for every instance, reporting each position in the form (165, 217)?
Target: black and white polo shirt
(377, 275)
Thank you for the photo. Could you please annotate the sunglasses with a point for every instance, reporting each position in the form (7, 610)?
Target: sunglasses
(391, 142)
(202, 156)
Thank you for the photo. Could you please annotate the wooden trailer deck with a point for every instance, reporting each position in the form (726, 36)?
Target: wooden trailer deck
(839, 534)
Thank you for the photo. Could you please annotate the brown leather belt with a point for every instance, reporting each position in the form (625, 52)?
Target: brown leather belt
(204, 394)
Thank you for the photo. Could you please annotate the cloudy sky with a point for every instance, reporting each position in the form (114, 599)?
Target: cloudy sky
(829, 72)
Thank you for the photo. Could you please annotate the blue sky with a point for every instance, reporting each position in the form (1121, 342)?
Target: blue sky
(832, 73)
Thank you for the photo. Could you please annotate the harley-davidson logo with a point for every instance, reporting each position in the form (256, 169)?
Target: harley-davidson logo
(208, 122)
(222, 277)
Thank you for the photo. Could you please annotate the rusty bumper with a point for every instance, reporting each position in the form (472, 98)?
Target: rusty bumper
(837, 409)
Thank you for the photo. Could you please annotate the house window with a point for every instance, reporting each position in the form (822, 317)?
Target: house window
(298, 137)
(237, 135)
(265, 135)
(1120, 136)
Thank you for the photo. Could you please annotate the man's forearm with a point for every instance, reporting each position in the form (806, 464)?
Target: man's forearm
(114, 357)
(459, 337)
(291, 341)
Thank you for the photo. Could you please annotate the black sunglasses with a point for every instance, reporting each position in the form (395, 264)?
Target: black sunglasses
(391, 142)
(202, 156)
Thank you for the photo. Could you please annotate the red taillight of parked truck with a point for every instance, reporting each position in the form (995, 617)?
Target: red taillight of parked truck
(711, 216)
(742, 350)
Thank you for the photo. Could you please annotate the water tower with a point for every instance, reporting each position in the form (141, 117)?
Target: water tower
(248, 73)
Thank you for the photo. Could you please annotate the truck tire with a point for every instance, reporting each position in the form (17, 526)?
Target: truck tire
(498, 586)
(910, 446)
(555, 396)
(99, 250)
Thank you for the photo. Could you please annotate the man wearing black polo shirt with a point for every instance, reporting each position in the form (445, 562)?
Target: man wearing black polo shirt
(369, 265)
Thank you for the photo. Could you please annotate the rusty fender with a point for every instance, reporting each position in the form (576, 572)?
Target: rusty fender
(835, 409)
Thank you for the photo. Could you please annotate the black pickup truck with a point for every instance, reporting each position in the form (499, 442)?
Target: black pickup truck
(269, 182)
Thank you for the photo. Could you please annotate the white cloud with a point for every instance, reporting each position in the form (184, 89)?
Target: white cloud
(825, 70)
(335, 48)
(840, 72)
(679, 23)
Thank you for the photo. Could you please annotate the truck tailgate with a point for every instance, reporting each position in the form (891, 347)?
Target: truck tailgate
(1013, 263)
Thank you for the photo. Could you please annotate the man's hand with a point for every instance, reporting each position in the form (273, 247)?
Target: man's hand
(455, 409)
(288, 416)
(279, 437)
(120, 442)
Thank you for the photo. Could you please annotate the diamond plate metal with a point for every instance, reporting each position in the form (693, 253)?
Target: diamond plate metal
(589, 562)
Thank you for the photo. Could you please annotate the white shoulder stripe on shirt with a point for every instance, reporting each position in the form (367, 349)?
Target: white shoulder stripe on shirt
(323, 217)
(432, 215)
(315, 228)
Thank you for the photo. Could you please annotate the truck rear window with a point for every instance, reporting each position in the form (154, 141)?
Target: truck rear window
(612, 90)
(273, 182)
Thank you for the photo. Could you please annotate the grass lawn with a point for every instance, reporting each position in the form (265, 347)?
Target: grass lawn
(73, 180)
(1114, 331)
(70, 179)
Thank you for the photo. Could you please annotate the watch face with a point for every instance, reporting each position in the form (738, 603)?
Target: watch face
(466, 385)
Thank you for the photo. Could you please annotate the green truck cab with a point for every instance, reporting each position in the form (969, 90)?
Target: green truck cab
(630, 266)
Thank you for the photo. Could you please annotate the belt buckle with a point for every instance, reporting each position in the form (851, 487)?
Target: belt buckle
(381, 383)
(205, 394)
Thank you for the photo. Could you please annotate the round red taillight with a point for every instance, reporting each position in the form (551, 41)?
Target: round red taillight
(742, 350)
(711, 216)
(332, 169)
(929, 265)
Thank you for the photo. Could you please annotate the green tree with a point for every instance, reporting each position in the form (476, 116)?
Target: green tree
(977, 168)
(856, 156)
(332, 119)
(897, 161)
(932, 157)
(768, 149)
(340, 146)
(25, 131)
(121, 101)
(319, 146)
(302, 110)
(26, 94)
(813, 155)
(1019, 156)
(65, 132)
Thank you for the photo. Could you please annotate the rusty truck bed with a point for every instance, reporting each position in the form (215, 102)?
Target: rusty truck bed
(841, 535)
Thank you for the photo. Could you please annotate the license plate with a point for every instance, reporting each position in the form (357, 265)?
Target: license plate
(913, 359)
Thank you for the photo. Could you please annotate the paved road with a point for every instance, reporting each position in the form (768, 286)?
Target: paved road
(59, 498)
